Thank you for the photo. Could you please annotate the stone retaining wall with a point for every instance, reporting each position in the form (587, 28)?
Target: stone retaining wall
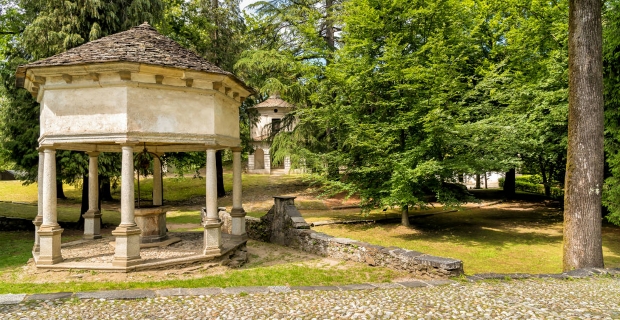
(15, 224)
(284, 225)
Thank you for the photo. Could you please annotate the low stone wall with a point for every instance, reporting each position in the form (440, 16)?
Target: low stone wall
(15, 224)
(283, 225)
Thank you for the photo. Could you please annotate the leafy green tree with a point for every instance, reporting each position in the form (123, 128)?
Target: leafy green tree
(527, 80)
(611, 69)
(214, 30)
(48, 28)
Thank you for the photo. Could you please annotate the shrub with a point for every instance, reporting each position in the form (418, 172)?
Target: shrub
(531, 178)
(556, 193)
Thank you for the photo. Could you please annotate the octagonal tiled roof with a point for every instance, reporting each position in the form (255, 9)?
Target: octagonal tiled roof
(140, 44)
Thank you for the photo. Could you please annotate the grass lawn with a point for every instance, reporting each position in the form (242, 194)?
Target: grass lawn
(509, 237)
(287, 274)
(66, 213)
(505, 238)
(15, 250)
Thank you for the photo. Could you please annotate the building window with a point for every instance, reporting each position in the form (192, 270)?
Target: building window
(275, 125)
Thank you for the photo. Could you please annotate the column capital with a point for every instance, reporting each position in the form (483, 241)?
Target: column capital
(47, 149)
(93, 153)
(129, 143)
(236, 149)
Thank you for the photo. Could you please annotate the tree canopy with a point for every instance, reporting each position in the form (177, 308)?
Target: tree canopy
(394, 99)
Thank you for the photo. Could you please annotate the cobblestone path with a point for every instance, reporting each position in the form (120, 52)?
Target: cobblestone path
(590, 298)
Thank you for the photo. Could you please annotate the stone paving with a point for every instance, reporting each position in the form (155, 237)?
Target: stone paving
(534, 298)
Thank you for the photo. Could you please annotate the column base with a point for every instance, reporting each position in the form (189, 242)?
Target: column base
(212, 238)
(127, 251)
(92, 225)
(38, 221)
(49, 245)
(238, 223)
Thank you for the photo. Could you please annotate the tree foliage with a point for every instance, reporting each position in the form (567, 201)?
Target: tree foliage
(611, 72)
(48, 28)
(414, 93)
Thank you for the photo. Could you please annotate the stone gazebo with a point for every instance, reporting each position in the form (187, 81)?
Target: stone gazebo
(128, 92)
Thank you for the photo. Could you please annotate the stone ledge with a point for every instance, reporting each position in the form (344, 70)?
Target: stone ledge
(284, 225)
(152, 293)
(15, 224)
(116, 294)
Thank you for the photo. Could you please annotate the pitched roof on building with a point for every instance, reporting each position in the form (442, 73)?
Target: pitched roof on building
(140, 44)
(274, 101)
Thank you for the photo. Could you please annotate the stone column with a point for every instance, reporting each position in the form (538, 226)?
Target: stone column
(157, 185)
(92, 217)
(267, 161)
(127, 252)
(49, 231)
(212, 224)
(237, 213)
(38, 220)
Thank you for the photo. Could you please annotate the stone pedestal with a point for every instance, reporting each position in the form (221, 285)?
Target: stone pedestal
(92, 224)
(152, 222)
(127, 251)
(238, 222)
(49, 252)
(212, 238)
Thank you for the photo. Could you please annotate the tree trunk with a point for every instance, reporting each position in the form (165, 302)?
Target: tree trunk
(105, 192)
(486, 185)
(60, 193)
(584, 164)
(510, 184)
(546, 185)
(404, 218)
(220, 174)
(477, 181)
(545, 177)
(329, 24)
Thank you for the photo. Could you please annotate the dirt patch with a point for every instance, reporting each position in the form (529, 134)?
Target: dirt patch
(260, 254)
(182, 226)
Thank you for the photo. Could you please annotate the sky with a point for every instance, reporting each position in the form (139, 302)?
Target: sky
(245, 3)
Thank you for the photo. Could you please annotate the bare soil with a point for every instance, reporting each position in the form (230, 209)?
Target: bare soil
(259, 255)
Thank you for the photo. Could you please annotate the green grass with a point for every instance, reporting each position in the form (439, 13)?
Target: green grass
(487, 240)
(287, 274)
(525, 238)
(16, 253)
(16, 249)
(15, 191)
(65, 213)
(356, 214)
(183, 216)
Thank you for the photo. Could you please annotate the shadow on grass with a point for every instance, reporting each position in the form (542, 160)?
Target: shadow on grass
(15, 248)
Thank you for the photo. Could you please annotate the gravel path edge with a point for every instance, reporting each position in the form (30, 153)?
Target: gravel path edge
(7, 299)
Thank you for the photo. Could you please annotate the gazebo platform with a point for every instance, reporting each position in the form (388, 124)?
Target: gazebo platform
(98, 254)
